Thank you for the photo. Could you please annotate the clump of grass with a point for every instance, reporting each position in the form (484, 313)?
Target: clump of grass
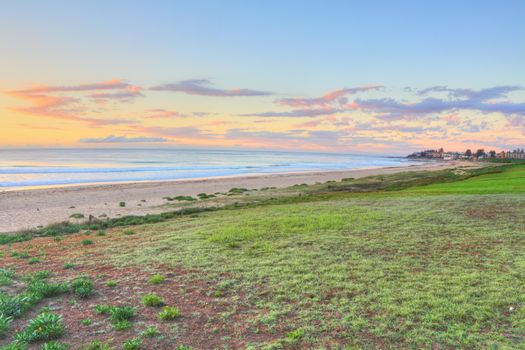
(77, 216)
(101, 233)
(169, 313)
(98, 345)
(86, 322)
(6, 277)
(132, 344)
(33, 261)
(151, 332)
(21, 255)
(82, 286)
(68, 265)
(128, 232)
(203, 196)
(236, 190)
(46, 289)
(111, 284)
(295, 335)
(119, 316)
(54, 346)
(87, 242)
(5, 321)
(157, 279)
(122, 204)
(46, 326)
(152, 300)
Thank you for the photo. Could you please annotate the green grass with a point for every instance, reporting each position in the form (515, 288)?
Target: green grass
(510, 181)
(400, 269)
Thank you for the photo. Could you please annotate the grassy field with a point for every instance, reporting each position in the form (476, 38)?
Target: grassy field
(413, 260)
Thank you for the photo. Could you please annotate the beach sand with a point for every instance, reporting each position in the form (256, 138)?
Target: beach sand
(25, 209)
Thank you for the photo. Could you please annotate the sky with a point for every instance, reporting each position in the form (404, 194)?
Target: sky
(386, 77)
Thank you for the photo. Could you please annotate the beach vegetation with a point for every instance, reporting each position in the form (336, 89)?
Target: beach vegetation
(169, 313)
(152, 300)
(82, 286)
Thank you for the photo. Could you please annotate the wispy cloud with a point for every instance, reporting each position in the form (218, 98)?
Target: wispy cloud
(105, 85)
(326, 99)
(122, 139)
(306, 112)
(203, 87)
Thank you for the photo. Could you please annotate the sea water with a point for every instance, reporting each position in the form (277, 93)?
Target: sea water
(30, 168)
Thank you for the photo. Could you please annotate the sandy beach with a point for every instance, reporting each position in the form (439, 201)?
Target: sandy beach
(25, 209)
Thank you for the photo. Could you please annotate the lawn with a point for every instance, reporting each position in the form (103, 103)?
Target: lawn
(439, 266)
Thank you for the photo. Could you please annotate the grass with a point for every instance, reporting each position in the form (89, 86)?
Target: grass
(403, 261)
(169, 313)
(152, 300)
(46, 326)
(82, 286)
(400, 268)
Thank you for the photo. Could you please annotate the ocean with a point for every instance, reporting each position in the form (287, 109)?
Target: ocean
(33, 168)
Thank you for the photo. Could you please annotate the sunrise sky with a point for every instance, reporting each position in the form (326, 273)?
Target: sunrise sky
(385, 77)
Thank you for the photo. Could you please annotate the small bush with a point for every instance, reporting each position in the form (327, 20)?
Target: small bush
(152, 300)
(77, 216)
(169, 313)
(295, 336)
(5, 321)
(46, 326)
(54, 346)
(46, 289)
(82, 286)
(98, 345)
(122, 325)
(157, 279)
(87, 242)
(33, 261)
(132, 344)
(111, 284)
(122, 204)
(151, 332)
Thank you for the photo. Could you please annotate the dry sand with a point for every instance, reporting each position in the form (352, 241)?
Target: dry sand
(25, 209)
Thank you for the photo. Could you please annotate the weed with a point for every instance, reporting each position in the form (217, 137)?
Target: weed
(98, 345)
(111, 284)
(169, 313)
(86, 322)
(121, 325)
(54, 346)
(46, 326)
(295, 336)
(128, 232)
(101, 233)
(46, 289)
(82, 286)
(132, 344)
(122, 204)
(68, 265)
(87, 242)
(33, 261)
(16, 345)
(157, 279)
(5, 321)
(77, 216)
(152, 300)
(151, 332)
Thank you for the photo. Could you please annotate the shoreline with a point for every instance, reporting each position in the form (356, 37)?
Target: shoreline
(29, 208)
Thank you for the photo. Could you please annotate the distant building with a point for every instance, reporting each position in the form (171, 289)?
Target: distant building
(501, 155)
(516, 154)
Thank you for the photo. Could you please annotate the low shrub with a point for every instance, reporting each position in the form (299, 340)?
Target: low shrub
(157, 279)
(87, 242)
(152, 300)
(169, 313)
(151, 332)
(46, 326)
(132, 344)
(82, 286)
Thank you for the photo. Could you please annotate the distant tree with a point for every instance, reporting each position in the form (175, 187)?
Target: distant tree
(492, 154)
(441, 150)
(480, 152)
(468, 153)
